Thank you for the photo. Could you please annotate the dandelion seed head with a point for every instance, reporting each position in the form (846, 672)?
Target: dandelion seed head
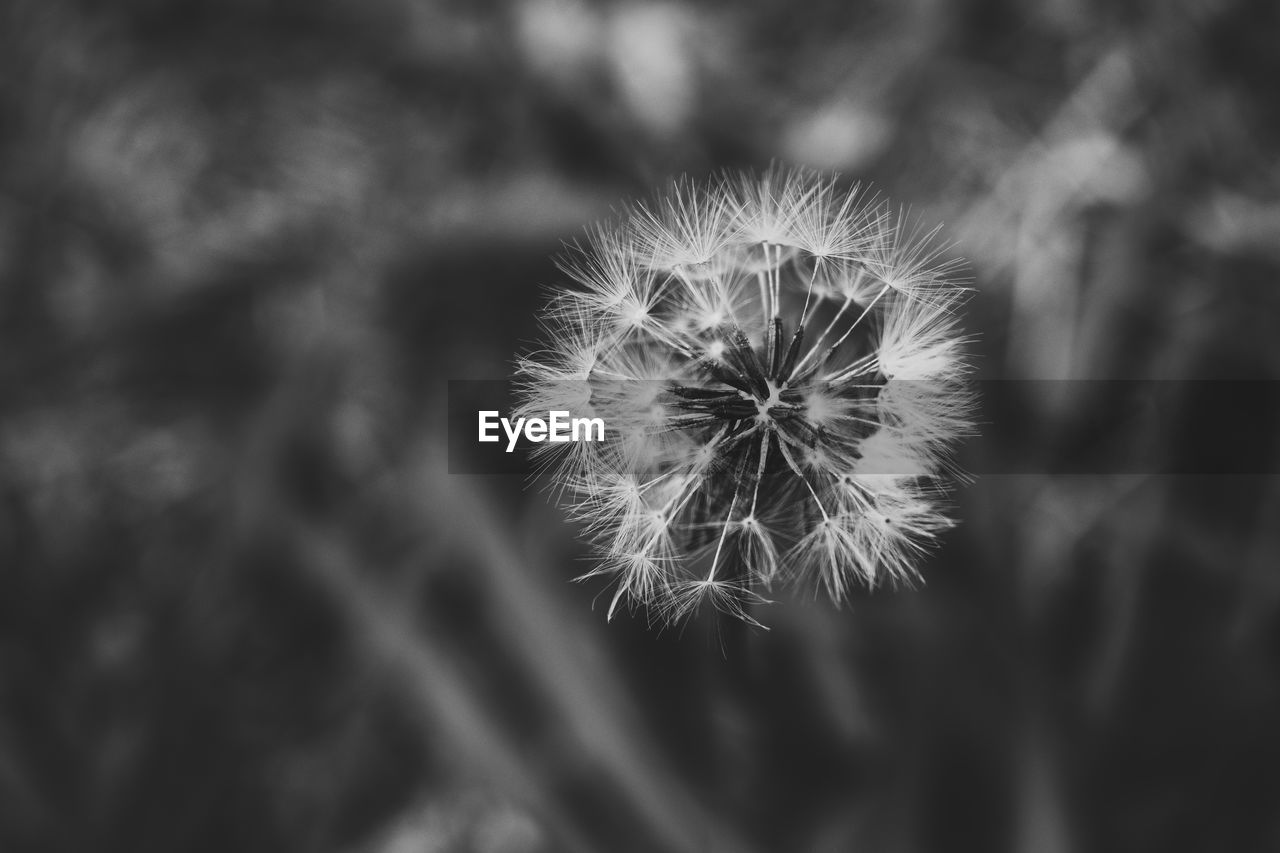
(779, 365)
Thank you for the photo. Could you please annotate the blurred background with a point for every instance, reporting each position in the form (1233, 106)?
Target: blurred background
(243, 605)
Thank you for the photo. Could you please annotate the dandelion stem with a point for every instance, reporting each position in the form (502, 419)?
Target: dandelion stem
(724, 533)
(782, 445)
(775, 272)
(766, 310)
(764, 456)
(854, 325)
(773, 344)
(848, 300)
(804, 312)
(655, 331)
(860, 367)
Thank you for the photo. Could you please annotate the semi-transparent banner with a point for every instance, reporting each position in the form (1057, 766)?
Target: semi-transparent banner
(1161, 427)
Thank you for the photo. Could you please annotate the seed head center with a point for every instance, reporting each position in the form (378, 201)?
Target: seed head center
(774, 399)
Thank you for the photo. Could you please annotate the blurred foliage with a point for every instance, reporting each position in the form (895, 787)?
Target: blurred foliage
(243, 605)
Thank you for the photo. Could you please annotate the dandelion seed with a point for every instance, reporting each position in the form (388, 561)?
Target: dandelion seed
(779, 365)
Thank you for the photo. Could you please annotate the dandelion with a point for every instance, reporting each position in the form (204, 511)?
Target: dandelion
(782, 378)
